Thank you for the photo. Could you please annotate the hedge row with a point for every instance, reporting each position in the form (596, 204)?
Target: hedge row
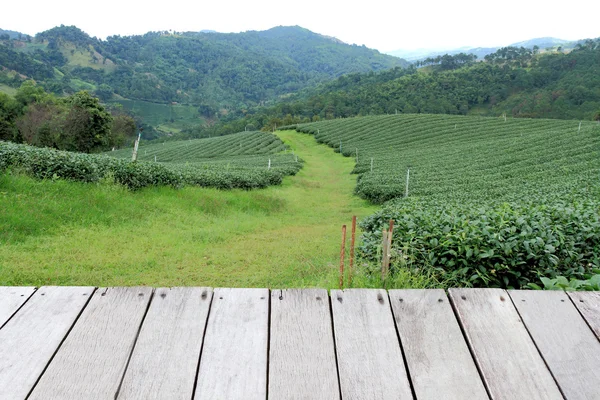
(44, 163)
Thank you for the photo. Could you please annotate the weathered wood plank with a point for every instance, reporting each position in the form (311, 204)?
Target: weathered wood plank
(588, 304)
(508, 360)
(233, 364)
(302, 354)
(92, 359)
(30, 338)
(438, 358)
(165, 359)
(11, 298)
(569, 347)
(370, 360)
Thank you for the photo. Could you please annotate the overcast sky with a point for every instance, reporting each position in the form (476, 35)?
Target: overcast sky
(382, 25)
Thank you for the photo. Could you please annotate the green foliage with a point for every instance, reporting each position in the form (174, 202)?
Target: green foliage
(87, 124)
(499, 245)
(250, 171)
(591, 282)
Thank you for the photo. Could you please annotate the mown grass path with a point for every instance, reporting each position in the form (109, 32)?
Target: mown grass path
(62, 233)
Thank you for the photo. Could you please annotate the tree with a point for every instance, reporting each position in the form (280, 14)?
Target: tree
(597, 116)
(9, 111)
(123, 127)
(87, 124)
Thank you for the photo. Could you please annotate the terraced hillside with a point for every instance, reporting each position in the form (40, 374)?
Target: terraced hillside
(244, 151)
(455, 157)
(247, 160)
(491, 202)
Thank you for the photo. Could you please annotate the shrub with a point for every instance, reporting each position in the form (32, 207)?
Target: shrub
(506, 245)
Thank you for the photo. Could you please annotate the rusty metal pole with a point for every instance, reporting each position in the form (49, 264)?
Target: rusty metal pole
(342, 253)
(352, 240)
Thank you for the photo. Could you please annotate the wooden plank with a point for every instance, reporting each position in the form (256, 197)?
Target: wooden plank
(370, 360)
(11, 298)
(233, 363)
(165, 359)
(30, 338)
(438, 358)
(508, 360)
(588, 304)
(302, 354)
(92, 359)
(569, 347)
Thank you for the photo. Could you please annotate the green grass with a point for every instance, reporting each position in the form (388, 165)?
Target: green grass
(65, 233)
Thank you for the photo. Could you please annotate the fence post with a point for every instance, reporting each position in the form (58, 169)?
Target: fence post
(352, 241)
(342, 253)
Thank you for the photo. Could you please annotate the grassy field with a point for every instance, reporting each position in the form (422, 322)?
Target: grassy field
(64, 233)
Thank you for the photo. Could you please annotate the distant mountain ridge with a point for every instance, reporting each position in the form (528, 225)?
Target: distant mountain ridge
(480, 52)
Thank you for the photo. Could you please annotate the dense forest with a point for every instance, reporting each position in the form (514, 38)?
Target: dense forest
(515, 82)
(215, 71)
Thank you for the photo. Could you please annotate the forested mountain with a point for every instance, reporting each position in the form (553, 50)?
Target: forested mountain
(213, 70)
(513, 81)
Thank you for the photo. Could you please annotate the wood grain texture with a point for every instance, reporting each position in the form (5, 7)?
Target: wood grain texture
(92, 359)
(29, 339)
(508, 360)
(302, 354)
(437, 355)
(11, 298)
(369, 357)
(569, 347)
(588, 304)
(165, 359)
(233, 363)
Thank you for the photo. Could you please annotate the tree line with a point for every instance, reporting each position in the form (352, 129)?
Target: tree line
(513, 81)
(75, 123)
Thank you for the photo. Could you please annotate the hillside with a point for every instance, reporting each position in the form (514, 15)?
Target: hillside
(464, 158)
(216, 72)
(513, 81)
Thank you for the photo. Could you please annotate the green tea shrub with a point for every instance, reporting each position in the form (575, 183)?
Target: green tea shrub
(509, 244)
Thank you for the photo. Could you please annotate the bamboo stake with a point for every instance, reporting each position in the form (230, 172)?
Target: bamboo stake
(352, 241)
(386, 245)
(342, 253)
(384, 253)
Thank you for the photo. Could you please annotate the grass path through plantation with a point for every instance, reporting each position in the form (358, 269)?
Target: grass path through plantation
(64, 233)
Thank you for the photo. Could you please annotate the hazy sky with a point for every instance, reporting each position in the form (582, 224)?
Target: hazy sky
(383, 25)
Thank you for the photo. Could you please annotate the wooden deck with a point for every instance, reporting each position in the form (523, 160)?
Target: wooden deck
(203, 343)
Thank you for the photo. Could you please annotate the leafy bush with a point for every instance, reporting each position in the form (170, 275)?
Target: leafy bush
(499, 245)
(562, 283)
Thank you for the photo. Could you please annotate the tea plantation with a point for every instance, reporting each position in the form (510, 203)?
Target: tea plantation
(491, 202)
(246, 160)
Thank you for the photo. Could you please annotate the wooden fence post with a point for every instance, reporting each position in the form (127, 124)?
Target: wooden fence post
(342, 253)
(386, 246)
